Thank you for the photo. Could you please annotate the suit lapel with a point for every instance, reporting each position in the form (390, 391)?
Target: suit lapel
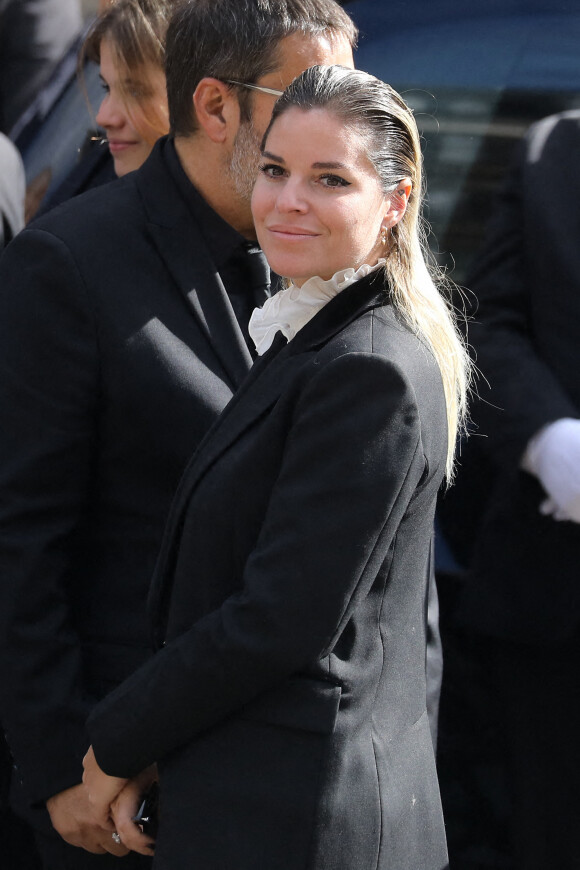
(272, 373)
(194, 273)
(180, 245)
(264, 385)
(267, 381)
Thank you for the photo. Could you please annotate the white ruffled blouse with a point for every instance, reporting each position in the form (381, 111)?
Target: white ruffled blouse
(291, 309)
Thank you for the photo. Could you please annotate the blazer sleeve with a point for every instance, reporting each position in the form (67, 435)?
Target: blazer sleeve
(351, 460)
(48, 392)
(519, 392)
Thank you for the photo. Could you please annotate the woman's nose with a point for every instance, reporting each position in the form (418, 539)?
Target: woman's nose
(292, 197)
(110, 114)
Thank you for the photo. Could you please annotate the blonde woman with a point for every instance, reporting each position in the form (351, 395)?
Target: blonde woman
(286, 705)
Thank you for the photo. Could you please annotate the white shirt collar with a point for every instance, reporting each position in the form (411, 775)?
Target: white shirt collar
(291, 309)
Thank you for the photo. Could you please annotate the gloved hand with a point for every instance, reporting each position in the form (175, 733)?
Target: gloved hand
(553, 456)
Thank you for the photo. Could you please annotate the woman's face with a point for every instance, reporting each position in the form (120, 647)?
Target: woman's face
(318, 204)
(133, 112)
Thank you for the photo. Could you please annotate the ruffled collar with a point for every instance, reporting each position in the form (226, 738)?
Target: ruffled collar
(291, 309)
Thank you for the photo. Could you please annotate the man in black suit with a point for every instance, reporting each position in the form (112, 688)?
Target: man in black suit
(524, 594)
(122, 337)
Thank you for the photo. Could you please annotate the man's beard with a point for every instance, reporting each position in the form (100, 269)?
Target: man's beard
(244, 161)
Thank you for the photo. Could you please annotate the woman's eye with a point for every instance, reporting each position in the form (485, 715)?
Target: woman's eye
(139, 92)
(334, 181)
(272, 170)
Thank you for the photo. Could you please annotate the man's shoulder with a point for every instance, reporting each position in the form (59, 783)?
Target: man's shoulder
(123, 206)
(115, 204)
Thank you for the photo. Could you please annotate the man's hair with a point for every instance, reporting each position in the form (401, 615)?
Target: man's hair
(237, 39)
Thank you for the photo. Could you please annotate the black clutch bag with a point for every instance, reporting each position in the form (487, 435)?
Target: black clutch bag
(147, 816)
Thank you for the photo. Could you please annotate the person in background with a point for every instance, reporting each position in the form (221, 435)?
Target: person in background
(286, 706)
(128, 43)
(523, 595)
(123, 334)
(17, 845)
(34, 34)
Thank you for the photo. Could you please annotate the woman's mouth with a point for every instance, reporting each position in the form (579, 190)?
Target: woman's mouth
(118, 145)
(292, 233)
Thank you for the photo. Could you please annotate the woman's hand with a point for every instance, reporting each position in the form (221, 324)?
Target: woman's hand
(72, 818)
(102, 790)
(125, 807)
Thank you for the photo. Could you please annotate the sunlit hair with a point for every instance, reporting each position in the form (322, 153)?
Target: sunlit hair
(136, 31)
(387, 127)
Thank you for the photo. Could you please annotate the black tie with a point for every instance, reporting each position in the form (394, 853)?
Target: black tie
(259, 274)
(246, 277)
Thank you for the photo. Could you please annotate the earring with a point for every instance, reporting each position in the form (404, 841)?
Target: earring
(384, 235)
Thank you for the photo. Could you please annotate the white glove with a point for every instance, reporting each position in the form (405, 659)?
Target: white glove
(553, 456)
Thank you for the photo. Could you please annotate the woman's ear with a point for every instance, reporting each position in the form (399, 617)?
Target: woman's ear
(397, 203)
(215, 107)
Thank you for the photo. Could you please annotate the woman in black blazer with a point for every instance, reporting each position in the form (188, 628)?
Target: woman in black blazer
(286, 705)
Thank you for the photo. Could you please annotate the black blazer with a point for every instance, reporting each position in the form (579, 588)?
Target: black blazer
(287, 708)
(526, 334)
(118, 349)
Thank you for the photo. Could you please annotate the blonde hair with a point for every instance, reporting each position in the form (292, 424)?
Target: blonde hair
(379, 114)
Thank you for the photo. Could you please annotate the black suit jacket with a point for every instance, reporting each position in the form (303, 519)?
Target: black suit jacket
(526, 336)
(287, 708)
(118, 349)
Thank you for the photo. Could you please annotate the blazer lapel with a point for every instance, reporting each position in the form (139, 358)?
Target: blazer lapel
(180, 245)
(271, 374)
(267, 381)
(263, 386)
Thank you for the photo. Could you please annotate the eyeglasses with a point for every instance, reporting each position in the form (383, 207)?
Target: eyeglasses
(272, 91)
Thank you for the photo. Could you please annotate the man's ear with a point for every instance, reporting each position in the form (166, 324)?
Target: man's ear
(216, 109)
(397, 203)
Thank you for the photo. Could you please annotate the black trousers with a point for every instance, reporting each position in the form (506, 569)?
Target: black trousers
(539, 689)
